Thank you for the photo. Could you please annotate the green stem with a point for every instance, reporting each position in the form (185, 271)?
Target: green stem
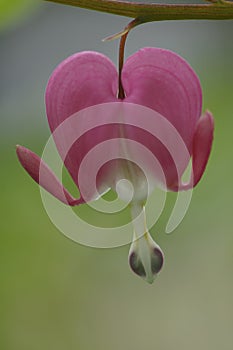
(157, 12)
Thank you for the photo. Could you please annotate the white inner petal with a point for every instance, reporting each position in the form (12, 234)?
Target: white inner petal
(147, 255)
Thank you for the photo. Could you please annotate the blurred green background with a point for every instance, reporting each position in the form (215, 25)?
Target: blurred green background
(56, 294)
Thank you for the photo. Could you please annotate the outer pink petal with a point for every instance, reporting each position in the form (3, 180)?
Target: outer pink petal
(202, 144)
(41, 173)
(165, 82)
(82, 80)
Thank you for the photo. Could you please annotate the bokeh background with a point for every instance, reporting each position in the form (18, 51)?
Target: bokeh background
(57, 294)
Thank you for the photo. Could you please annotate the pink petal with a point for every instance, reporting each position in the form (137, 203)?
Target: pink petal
(202, 143)
(152, 77)
(163, 81)
(82, 80)
(167, 148)
(43, 175)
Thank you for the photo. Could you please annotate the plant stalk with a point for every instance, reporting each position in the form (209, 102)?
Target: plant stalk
(218, 10)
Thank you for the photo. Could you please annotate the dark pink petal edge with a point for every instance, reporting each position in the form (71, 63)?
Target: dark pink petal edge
(43, 175)
(202, 144)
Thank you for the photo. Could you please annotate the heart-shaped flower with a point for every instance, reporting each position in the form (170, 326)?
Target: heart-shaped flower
(157, 80)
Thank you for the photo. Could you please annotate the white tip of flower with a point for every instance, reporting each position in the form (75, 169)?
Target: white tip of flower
(146, 258)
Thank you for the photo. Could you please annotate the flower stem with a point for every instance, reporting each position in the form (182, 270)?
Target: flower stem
(216, 10)
(121, 92)
(123, 35)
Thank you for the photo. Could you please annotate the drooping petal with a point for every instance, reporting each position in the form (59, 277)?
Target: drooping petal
(165, 82)
(43, 175)
(82, 80)
(202, 143)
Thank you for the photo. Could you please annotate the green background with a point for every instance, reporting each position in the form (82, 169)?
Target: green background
(57, 294)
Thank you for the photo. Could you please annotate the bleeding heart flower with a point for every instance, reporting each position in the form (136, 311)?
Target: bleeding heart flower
(156, 79)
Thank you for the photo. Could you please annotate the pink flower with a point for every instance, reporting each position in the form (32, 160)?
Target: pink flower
(153, 78)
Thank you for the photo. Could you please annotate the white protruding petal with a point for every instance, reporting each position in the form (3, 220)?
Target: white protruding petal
(145, 256)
